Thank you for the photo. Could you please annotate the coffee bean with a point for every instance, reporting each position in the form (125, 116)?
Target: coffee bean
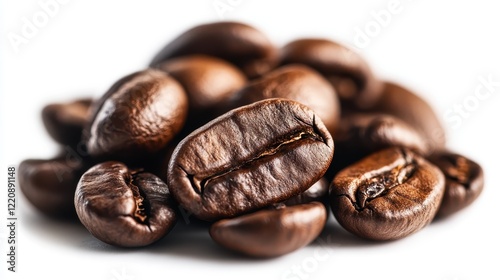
(237, 43)
(49, 185)
(124, 207)
(346, 70)
(464, 181)
(65, 121)
(361, 134)
(249, 158)
(137, 117)
(387, 195)
(271, 233)
(299, 83)
(409, 107)
(209, 83)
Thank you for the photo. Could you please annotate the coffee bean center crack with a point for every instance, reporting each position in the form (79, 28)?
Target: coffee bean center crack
(199, 184)
(380, 184)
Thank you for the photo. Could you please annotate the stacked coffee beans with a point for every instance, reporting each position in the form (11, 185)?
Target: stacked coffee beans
(241, 134)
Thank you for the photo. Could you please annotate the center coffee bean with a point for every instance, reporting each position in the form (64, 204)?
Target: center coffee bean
(387, 195)
(249, 158)
(124, 207)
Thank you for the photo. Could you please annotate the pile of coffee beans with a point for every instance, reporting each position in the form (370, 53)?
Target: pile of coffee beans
(241, 134)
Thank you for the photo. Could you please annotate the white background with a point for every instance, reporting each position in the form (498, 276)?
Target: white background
(438, 48)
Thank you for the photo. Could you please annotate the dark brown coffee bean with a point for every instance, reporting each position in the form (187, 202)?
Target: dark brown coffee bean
(387, 195)
(464, 181)
(49, 185)
(209, 83)
(360, 135)
(409, 107)
(137, 117)
(346, 70)
(317, 192)
(271, 233)
(299, 83)
(249, 158)
(65, 121)
(237, 43)
(124, 207)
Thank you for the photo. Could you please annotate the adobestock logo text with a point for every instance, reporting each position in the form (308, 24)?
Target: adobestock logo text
(30, 26)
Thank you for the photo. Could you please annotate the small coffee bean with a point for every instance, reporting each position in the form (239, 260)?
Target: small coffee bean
(361, 134)
(249, 158)
(237, 43)
(49, 185)
(464, 181)
(350, 75)
(271, 233)
(124, 207)
(209, 83)
(137, 117)
(299, 83)
(387, 195)
(65, 121)
(415, 111)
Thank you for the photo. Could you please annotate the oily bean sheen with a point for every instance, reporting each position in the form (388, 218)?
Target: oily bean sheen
(137, 117)
(464, 181)
(65, 121)
(361, 134)
(238, 43)
(249, 158)
(124, 207)
(387, 195)
(409, 107)
(271, 233)
(346, 70)
(299, 83)
(50, 185)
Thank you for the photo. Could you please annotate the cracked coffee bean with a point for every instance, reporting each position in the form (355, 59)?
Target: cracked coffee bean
(387, 195)
(124, 207)
(348, 72)
(49, 185)
(249, 158)
(464, 181)
(299, 83)
(238, 43)
(65, 121)
(271, 232)
(137, 117)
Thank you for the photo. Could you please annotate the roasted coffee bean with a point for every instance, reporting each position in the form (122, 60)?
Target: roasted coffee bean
(249, 158)
(464, 181)
(299, 83)
(124, 207)
(346, 70)
(271, 233)
(49, 185)
(387, 195)
(65, 121)
(317, 192)
(209, 83)
(137, 117)
(409, 107)
(238, 43)
(360, 135)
